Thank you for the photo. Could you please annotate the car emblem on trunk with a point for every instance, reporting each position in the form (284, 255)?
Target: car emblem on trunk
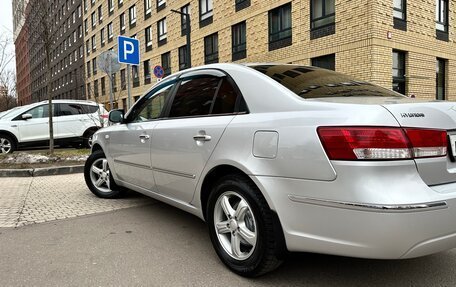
(412, 115)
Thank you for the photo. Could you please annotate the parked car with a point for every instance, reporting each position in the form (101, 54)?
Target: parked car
(279, 158)
(74, 124)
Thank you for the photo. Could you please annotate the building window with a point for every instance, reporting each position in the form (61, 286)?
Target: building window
(161, 4)
(122, 23)
(94, 19)
(183, 61)
(239, 42)
(94, 66)
(147, 7)
(148, 37)
(211, 49)
(103, 86)
(94, 43)
(325, 62)
(120, 3)
(162, 31)
(102, 36)
(322, 15)
(100, 14)
(147, 76)
(110, 35)
(135, 75)
(280, 34)
(166, 63)
(400, 14)
(123, 80)
(441, 19)
(206, 12)
(399, 9)
(111, 6)
(185, 10)
(86, 27)
(88, 69)
(399, 72)
(440, 79)
(132, 14)
(241, 4)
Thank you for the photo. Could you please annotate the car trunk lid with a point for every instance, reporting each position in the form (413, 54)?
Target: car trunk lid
(432, 115)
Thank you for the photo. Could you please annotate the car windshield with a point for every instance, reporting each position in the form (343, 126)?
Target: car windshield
(312, 82)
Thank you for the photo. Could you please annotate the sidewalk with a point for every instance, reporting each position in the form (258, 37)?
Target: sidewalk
(29, 200)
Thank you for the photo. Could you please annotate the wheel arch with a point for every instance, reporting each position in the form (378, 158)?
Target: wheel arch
(224, 169)
(217, 172)
(90, 129)
(10, 134)
(97, 147)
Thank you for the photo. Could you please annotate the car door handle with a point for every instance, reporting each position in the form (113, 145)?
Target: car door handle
(144, 137)
(204, 138)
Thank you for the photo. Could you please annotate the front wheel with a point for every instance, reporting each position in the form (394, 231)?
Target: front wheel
(98, 177)
(241, 227)
(7, 144)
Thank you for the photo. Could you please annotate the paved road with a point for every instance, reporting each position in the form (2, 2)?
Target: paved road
(30, 200)
(157, 245)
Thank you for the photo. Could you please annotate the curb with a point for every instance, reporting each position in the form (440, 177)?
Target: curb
(45, 171)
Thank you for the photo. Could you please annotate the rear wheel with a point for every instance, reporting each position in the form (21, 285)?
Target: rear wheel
(7, 144)
(241, 227)
(87, 138)
(98, 177)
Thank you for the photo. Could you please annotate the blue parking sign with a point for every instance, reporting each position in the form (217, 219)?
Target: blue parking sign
(128, 50)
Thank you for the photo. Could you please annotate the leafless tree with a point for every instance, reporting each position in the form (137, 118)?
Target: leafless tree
(42, 30)
(7, 75)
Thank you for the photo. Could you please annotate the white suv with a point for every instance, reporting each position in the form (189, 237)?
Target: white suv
(74, 123)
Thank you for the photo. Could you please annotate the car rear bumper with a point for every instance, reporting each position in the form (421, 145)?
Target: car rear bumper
(407, 219)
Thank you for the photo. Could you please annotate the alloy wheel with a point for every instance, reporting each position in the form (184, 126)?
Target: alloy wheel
(235, 225)
(5, 145)
(100, 175)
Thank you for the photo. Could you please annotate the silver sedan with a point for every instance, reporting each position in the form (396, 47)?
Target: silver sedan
(279, 158)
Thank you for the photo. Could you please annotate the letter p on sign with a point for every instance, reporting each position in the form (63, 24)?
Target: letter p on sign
(128, 50)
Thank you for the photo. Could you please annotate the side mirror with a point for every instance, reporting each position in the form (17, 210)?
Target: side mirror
(27, 116)
(116, 116)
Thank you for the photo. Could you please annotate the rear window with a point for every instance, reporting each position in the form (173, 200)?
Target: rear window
(89, 109)
(311, 82)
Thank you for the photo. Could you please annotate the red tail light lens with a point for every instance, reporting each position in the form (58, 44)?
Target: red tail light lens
(427, 143)
(105, 116)
(379, 143)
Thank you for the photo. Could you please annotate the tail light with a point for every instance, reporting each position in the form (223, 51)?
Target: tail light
(105, 116)
(382, 143)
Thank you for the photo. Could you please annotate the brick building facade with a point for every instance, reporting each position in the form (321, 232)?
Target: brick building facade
(67, 54)
(405, 45)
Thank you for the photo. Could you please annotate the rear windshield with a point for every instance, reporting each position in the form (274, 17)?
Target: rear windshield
(311, 82)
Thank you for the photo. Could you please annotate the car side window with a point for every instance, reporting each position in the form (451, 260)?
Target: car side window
(152, 108)
(39, 112)
(225, 101)
(194, 97)
(69, 110)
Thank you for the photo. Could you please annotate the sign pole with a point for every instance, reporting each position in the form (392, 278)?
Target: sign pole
(128, 85)
(128, 53)
(111, 102)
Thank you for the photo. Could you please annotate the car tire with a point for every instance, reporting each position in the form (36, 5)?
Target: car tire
(98, 177)
(243, 234)
(7, 144)
(87, 138)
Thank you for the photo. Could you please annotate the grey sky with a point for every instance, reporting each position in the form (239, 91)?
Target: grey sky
(6, 23)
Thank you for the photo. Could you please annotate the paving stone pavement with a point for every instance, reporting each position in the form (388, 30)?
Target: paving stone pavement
(33, 200)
